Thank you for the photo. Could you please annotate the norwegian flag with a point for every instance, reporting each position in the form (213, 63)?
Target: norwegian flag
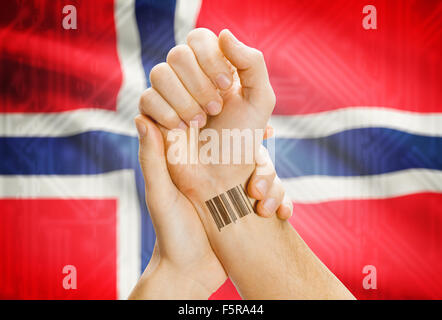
(358, 127)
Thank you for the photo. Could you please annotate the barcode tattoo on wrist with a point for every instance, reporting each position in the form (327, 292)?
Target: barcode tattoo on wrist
(229, 206)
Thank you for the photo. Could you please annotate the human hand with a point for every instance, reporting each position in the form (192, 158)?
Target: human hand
(183, 265)
(265, 258)
(210, 74)
(182, 253)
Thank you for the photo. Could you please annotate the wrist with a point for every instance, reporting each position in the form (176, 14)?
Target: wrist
(218, 179)
(165, 281)
(186, 283)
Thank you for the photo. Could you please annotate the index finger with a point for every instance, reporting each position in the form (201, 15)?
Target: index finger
(204, 44)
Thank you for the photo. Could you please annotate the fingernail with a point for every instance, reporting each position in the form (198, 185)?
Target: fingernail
(270, 205)
(182, 125)
(223, 81)
(213, 108)
(141, 128)
(200, 119)
(288, 209)
(261, 186)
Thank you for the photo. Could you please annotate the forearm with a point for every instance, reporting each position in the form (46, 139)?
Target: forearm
(267, 259)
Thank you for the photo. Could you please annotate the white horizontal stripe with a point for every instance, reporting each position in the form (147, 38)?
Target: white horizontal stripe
(65, 123)
(297, 126)
(329, 122)
(93, 186)
(312, 189)
(118, 185)
(134, 82)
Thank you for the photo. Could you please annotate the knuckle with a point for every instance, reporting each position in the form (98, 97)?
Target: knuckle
(206, 91)
(145, 100)
(171, 120)
(257, 55)
(214, 65)
(188, 115)
(158, 71)
(199, 88)
(212, 60)
(199, 34)
(267, 172)
(272, 175)
(178, 53)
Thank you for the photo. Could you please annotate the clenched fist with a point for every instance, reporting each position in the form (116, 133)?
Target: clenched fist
(217, 83)
(206, 75)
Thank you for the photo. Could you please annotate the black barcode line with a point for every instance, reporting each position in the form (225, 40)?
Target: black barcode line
(244, 209)
(234, 198)
(218, 214)
(221, 210)
(240, 203)
(228, 207)
(243, 194)
(214, 214)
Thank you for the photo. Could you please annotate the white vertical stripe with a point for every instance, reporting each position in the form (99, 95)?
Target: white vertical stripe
(134, 82)
(76, 121)
(129, 51)
(118, 185)
(186, 13)
(128, 236)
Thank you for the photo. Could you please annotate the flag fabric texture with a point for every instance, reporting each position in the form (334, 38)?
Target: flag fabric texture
(358, 137)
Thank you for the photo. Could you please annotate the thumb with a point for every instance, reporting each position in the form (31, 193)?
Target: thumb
(250, 65)
(159, 186)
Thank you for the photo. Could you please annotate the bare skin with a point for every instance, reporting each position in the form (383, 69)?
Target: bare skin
(265, 258)
(183, 264)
